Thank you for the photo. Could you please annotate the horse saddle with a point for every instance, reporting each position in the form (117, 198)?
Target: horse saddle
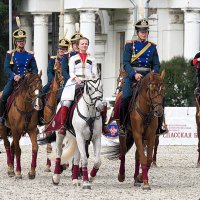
(115, 115)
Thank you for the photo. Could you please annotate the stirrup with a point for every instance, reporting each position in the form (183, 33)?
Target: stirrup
(62, 130)
(122, 131)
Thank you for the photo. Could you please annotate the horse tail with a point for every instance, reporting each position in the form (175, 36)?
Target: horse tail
(129, 140)
(86, 148)
(68, 151)
(112, 152)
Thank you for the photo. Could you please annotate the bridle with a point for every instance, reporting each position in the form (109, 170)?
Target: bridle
(153, 104)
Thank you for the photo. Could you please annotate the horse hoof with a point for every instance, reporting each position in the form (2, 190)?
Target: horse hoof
(11, 174)
(18, 177)
(198, 165)
(31, 176)
(121, 178)
(47, 169)
(65, 166)
(76, 182)
(91, 178)
(146, 187)
(56, 179)
(86, 185)
(137, 183)
(154, 164)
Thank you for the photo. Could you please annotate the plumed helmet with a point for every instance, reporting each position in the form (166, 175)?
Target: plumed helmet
(142, 25)
(64, 43)
(75, 37)
(19, 34)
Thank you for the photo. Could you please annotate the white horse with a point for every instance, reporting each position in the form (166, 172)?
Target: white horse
(87, 125)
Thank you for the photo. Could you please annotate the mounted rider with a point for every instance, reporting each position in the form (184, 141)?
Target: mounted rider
(17, 63)
(82, 66)
(196, 62)
(140, 57)
(63, 48)
(65, 62)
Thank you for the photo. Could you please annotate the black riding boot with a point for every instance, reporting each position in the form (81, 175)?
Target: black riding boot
(2, 111)
(123, 114)
(197, 89)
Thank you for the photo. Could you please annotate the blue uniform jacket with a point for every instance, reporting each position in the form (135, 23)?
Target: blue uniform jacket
(149, 59)
(51, 73)
(23, 62)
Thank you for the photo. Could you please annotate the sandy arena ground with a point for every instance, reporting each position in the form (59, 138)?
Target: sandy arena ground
(176, 177)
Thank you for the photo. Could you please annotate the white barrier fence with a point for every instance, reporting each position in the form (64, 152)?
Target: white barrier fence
(182, 127)
(181, 124)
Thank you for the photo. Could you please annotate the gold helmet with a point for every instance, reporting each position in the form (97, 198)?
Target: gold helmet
(142, 25)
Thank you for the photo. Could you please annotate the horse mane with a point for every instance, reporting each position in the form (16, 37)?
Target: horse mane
(145, 81)
(24, 83)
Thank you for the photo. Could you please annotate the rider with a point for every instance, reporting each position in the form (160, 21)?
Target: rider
(140, 57)
(17, 63)
(65, 62)
(81, 67)
(196, 62)
(63, 47)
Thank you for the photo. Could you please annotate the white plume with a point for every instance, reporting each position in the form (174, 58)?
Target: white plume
(77, 27)
(18, 22)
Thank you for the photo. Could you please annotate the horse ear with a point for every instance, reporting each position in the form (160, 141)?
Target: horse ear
(163, 74)
(40, 74)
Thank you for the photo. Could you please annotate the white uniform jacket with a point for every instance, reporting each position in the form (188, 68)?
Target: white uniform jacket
(85, 71)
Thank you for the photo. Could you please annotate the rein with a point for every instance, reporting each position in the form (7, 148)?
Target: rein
(30, 99)
(90, 120)
(149, 116)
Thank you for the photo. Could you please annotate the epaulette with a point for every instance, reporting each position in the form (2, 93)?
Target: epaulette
(10, 51)
(130, 41)
(54, 57)
(30, 52)
(152, 43)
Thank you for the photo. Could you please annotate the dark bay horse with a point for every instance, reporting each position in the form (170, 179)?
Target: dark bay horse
(142, 125)
(22, 118)
(51, 104)
(197, 98)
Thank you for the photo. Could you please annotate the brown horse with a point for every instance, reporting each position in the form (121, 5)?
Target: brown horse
(22, 118)
(142, 125)
(197, 98)
(51, 104)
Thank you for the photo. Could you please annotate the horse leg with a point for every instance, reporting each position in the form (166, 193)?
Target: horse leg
(123, 149)
(143, 160)
(155, 151)
(10, 163)
(137, 176)
(75, 168)
(81, 147)
(97, 162)
(16, 138)
(198, 133)
(48, 164)
(33, 137)
(57, 170)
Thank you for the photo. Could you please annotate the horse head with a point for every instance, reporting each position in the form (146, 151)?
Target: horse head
(155, 93)
(93, 92)
(31, 87)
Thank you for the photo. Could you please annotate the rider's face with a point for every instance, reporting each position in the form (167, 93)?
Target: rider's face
(21, 44)
(83, 45)
(61, 51)
(142, 35)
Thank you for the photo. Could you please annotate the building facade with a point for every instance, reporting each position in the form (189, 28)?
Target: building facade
(174, 27)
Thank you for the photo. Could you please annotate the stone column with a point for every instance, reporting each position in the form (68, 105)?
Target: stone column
(192, 33)
(41, 43)
(26, 21)
(87, 27)
(69, 25)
